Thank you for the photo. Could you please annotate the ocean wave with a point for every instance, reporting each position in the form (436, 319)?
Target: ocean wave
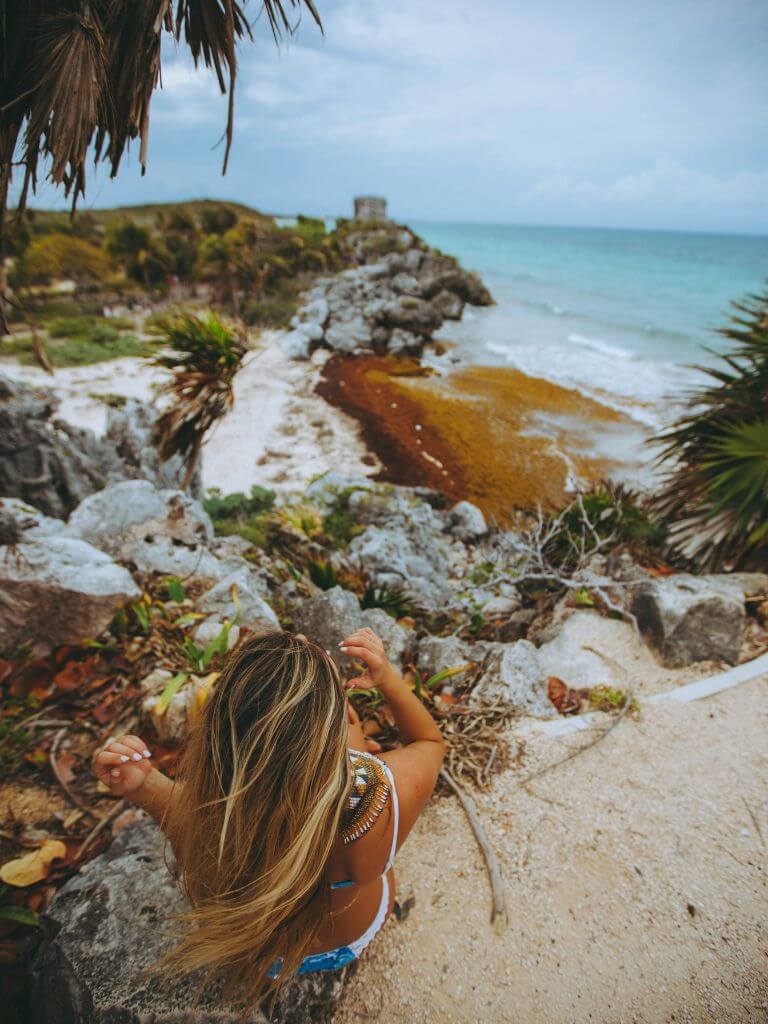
(603, 347)
(647, 393)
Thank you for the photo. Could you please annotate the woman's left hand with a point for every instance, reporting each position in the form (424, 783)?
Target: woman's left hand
(122, 764)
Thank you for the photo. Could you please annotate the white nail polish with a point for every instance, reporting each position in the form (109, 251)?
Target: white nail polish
(146, 753)
(137, 757)
(124, 758)
(115, 774)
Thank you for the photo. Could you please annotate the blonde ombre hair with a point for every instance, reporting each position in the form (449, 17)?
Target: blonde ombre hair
(265, 780)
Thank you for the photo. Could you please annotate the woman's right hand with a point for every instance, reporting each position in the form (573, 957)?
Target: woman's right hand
(366, 647)
(122, 764)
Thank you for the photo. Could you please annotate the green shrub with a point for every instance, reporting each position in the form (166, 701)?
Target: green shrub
(274, 309)
(238, 505)
(608, 511)
(242, 515)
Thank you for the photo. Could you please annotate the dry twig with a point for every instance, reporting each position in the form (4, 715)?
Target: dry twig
(499, 915)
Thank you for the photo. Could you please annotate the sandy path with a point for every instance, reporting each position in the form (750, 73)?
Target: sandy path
(279, 433)
(636, 882)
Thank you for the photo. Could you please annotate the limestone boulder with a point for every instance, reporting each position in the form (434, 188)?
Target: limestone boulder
(237, 598)
(111, 922)
(161, 531)
(333, 614)
(467, 522)
(691, 618)
(512, 674)
(29, 522)
(411, 314)
(514, 677)
(57, 589)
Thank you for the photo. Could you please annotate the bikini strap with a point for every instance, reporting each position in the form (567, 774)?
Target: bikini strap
(395, 816)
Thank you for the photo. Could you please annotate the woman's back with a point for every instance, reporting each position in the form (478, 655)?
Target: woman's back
(284, 827)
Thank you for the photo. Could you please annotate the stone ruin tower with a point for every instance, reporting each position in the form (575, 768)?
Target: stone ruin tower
(370, 208)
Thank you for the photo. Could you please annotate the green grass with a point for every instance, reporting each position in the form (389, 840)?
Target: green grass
(78, 350)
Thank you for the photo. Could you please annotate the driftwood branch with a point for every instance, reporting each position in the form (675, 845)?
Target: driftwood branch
(499, 915)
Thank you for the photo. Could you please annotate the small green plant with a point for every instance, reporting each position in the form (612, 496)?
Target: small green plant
(175, 589)
(338, 526)
(608, 698)
(323, 574)
(421, 685)
(607, 513)
(200, 658)
(394, 600)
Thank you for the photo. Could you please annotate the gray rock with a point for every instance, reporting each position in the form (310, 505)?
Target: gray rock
(691, 618)
(411, 314)
(60, 590)
(326, 488)
(466, 521)
(411, 260)
(400, 341)
(332, 615)
(403, 544)
(512, 674)
(348, 335)
(32, 523)
(568, 656)
(406, 284)
(751, 584)
(112, 922)
(514, 677)
(315, 311)
(449, 306)
(130, 430)
(296, 343)
(437, 653)
(210, 630)
(250, 610)
(158, 531)
(45, 461)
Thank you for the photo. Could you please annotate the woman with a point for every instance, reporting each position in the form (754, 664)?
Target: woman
(283, 826)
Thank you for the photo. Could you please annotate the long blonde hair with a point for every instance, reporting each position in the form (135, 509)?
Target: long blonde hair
(265, 780)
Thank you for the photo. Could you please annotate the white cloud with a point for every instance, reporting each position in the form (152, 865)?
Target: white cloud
(667, 183)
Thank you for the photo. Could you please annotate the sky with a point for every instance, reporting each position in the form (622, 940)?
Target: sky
(573, 112)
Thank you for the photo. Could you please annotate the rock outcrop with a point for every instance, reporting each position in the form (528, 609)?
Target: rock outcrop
(512, 674)
(53, 465)
(112, 922)
(394, 301)
(56, 589)
(155, 530)
(691, 618)
(334, 614)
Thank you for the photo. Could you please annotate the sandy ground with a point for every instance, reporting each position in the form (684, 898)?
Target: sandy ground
(279, 433)
(635, 877)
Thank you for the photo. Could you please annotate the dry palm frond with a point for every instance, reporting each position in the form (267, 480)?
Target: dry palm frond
(205, 355)
(80, 72)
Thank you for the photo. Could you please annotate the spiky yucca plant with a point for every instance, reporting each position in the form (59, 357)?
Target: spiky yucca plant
(715, 494)
(205, 354)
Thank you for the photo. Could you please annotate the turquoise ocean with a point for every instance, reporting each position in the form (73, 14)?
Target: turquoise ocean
(617, 313)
